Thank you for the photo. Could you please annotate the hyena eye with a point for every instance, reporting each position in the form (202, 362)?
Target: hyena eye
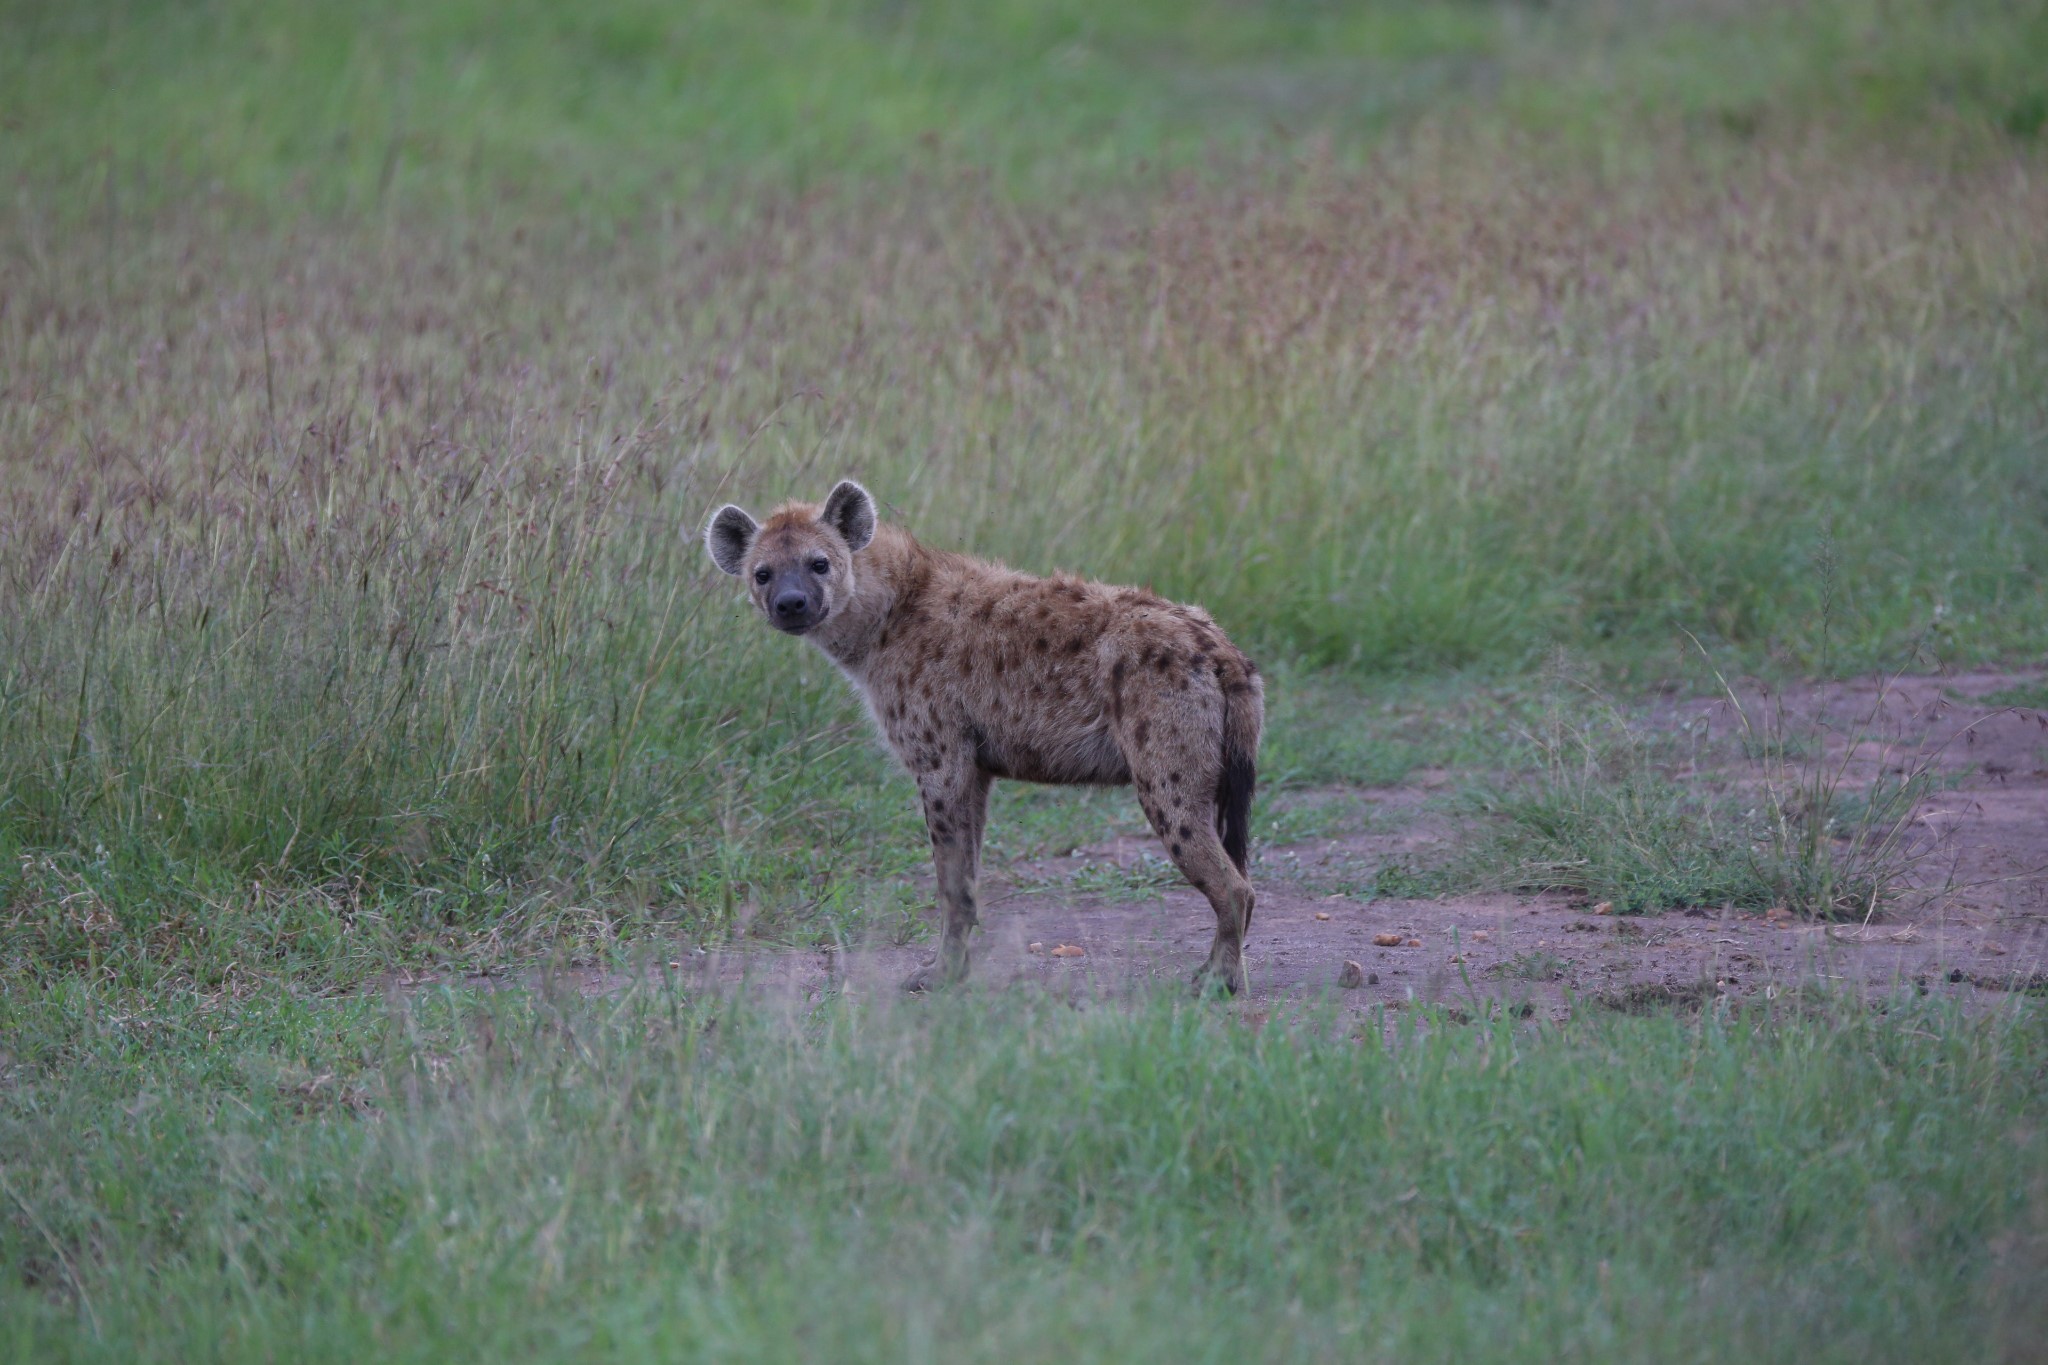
(762, 575)
(821, 566)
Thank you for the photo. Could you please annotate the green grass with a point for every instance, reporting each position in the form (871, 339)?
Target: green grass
(2027, 696)
(384, 572)
(1537, 966)
(348, 588)
(366, 373)
(1139, 881)
(629, 103)
(458, 1177)
(1595, 801)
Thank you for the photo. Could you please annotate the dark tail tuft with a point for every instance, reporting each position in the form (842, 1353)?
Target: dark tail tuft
(1234, 798)
(1244, 716)
(1234, 807)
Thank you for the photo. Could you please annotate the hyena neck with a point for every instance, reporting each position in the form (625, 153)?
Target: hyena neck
(887, 576)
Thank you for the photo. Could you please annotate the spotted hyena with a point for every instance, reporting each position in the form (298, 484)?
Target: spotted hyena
(973, 671)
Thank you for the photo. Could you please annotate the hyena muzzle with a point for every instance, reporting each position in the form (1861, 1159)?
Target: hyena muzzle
(974, 672)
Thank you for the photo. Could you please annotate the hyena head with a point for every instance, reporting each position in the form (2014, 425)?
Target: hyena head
(798, 566)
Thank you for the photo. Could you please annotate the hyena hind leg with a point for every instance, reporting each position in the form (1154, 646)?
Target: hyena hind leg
(1183, 814)
(1210, 871)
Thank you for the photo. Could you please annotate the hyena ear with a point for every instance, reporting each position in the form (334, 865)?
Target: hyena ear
(851, 512)
(727, 535)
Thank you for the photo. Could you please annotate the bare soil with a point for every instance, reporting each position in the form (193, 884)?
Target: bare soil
(1973, 923)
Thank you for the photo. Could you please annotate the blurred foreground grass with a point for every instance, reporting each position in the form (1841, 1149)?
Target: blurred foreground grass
(454, 1177)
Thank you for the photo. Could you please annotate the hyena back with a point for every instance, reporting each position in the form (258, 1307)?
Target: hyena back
(973, 672)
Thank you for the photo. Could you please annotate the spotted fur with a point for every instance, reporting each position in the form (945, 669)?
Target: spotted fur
(974, 672)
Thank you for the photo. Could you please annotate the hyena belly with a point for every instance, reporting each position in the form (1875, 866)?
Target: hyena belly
(1025, 703)
(1082, 751)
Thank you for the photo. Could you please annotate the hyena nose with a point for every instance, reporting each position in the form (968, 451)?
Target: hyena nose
(791, 605)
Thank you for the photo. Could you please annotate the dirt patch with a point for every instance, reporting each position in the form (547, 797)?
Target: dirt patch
(1472, 955)
(1978, 931)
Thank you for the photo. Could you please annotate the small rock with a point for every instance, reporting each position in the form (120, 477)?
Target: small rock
(1386, 940)
(1352, 977)
(1069, 950)
(1457, 958)
(1372, 978)
(1480, 936)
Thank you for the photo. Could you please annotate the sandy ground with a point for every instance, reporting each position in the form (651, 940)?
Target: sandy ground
(1975, 925)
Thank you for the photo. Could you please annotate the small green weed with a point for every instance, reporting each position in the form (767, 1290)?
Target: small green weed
(1535, 966)
(2031, 696)
(1400, 879)
(1026, 822)
(1324, 815)
(1655, 998)
(1140, 880)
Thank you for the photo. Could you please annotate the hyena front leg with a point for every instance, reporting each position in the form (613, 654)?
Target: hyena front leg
(955, 809)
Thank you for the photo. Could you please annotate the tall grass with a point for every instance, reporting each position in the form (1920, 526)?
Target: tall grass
(366, 377)
(364, 557)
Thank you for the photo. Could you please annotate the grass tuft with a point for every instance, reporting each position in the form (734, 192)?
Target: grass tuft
(1619, 813)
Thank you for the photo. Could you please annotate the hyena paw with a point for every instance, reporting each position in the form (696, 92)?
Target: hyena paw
(1213, 979)
(932, 976)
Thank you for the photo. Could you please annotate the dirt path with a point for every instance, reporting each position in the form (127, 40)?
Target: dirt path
(1975, 927)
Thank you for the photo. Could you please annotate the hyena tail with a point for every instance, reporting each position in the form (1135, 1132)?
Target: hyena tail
(1244, 714)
